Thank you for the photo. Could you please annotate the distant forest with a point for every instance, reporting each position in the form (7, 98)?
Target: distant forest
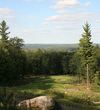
(51, 47)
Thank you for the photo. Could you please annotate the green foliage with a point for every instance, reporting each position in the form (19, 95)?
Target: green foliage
(16, 42)
(45, 62)
(12, 58)
(7, 99)
(86, 51)
(97, 78)
(85, 46)
(5, 66)
(53, 63)
(8, 102)
(97, 55)
(3, 29)
(80, 100)
(66, 62)
(72, 65)
(38, 61)
(52, 86)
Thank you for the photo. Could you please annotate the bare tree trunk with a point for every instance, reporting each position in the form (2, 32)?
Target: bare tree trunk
(79, 76)
(87, 76)
(72, 77)
(79, 79)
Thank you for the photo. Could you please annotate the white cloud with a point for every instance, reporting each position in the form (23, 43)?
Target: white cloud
(11, 24)
(97, 11)
(66, 4)
(69, 27)
(54, 18)
(44, 0)
(25, 31)
(64, 34)
(62, 11)
(35, 32)
(76, 17)
(28, 31)
(32, 30)
(97, 20)
(43, 31)
(28, 0)
(82, 9)
(87, 4)
(6, 16)
(63, 22)
(32, 16)
(45, 23)
(6, 13)
(96, 29)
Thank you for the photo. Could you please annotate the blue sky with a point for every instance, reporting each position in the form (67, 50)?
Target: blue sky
(51, 21)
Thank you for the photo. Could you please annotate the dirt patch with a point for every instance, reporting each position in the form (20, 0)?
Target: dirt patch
(62, 79)
(96, 102)
(97, 93)
(73, 90)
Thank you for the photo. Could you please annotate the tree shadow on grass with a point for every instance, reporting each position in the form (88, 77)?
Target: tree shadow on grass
(42, 80)
(37, 83)
(33, 88)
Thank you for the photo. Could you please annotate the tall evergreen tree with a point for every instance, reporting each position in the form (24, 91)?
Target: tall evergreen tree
(86, 49)
(3, 33)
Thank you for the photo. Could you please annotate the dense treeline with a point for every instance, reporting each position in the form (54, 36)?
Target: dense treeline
(15, 63)
(49, 63)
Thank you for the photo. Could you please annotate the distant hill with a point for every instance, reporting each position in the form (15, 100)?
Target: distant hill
(51, 47)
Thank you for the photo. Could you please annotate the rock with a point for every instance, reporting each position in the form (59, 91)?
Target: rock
(41, 103)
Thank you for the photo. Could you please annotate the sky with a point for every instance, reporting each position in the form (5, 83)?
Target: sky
(51, 21)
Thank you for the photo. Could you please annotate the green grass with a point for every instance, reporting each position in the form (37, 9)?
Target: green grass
(53, 86)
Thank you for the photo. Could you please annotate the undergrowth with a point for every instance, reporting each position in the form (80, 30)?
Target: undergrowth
(9, 102)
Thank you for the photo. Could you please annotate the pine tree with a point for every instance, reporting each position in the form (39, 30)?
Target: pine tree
(3, 33)
(86, 49)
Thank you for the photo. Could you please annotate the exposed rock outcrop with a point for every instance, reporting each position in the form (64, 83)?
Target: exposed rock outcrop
(41, 103)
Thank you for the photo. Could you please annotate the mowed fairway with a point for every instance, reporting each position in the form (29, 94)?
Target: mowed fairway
(62, 88)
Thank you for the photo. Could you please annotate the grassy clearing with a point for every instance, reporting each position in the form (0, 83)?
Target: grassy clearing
(57, 87)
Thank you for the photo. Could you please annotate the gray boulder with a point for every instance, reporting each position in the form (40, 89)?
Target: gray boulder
(41, 103)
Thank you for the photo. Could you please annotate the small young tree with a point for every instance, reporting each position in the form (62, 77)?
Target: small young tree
(86, 49)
